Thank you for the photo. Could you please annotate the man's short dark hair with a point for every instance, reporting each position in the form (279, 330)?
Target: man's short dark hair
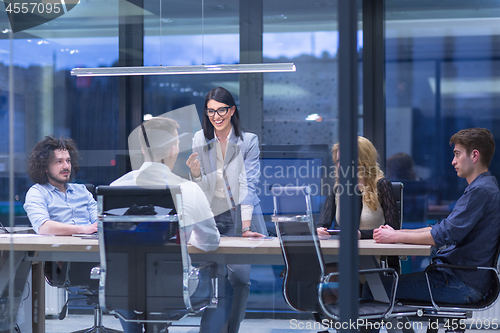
(43, 154)
(476, 138)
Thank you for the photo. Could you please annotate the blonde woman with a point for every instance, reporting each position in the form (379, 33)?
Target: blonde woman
(378, 205)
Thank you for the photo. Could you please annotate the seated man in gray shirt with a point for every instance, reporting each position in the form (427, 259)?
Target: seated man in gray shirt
(468, 236)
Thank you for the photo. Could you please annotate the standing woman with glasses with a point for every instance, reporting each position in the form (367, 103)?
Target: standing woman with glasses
(225, 164)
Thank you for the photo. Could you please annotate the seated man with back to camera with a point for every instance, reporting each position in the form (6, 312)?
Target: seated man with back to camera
(159, 142)
(468, 236)
(54, 205)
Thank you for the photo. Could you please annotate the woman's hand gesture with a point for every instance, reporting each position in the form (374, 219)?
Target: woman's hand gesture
(194, 165)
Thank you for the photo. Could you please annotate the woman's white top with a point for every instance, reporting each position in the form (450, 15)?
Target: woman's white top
(219, 191)
(370, 218)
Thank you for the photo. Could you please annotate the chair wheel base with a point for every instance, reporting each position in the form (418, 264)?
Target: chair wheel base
(98, 329)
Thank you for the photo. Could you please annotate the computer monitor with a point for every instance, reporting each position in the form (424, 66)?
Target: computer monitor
(295, 165)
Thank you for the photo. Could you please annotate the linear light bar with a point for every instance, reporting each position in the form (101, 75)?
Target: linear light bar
(170, 70)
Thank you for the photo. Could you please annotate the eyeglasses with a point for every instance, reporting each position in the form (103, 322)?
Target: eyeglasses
(221, 111)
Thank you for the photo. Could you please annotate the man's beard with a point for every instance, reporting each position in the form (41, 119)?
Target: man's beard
(59, 180)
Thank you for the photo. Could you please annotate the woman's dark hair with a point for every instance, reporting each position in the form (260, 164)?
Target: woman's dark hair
(220, 95)
(400, 167)
(42, 155)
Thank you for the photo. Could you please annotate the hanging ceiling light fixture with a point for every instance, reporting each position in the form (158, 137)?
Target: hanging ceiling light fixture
(195, 69)
(164, 70)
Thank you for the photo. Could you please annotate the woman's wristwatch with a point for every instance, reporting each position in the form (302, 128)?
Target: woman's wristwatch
(243, 230)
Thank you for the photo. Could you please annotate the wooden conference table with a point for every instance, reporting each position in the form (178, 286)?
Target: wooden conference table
(34, 249)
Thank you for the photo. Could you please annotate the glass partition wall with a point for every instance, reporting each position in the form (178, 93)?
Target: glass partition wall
(295, 107)
(294, 114)
(285, 110)
(43, 99)
(442, 65)
(441, 76)
(48, 100)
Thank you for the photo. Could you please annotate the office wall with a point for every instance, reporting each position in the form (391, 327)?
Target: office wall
(442, 65)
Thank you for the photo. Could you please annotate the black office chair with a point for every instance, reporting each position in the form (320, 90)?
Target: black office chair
(397, 189)
(394, 261)
(76, 278)
(146, 275)
(91, 189)
(446, 312)
(305, 286)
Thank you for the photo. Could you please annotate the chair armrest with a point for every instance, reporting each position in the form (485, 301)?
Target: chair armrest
(434, 265)
(379, 270)
(212, 269)
(391, 271)
(210, 265)
(95, 273)
(55, 275)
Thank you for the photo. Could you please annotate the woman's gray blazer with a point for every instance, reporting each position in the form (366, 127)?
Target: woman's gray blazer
(242, 167)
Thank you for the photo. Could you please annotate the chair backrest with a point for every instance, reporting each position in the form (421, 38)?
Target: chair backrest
(492, 297)
(91, 189)
(302, 254)
(291, 200)
(144, 261)
(393, 261)
(72, 274)
(397, 188)
(117, 197)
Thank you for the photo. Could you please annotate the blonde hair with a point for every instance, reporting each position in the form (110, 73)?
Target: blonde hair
(368, 169)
